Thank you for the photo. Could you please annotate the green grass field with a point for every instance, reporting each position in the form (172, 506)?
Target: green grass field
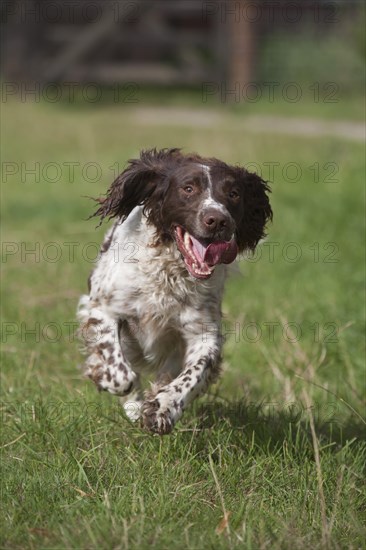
(274, 456)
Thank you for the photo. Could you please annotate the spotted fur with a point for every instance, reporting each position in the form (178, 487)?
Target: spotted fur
(144, 309)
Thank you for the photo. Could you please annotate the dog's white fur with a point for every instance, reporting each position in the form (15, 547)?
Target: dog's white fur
(145, 310)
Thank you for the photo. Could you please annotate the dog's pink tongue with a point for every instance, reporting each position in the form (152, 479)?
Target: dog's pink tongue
(222, 252)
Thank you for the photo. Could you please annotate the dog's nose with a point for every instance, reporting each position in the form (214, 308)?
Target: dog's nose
(215, 220)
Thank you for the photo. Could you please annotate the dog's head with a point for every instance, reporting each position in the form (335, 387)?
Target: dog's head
(210, 209)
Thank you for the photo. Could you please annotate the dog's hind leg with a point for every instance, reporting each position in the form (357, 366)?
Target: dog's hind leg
(106, 363)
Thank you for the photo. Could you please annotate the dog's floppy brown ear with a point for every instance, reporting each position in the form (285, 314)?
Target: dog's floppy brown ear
(257, 210)
(136, 184)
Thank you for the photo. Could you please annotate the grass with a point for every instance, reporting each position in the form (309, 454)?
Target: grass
(274, 456)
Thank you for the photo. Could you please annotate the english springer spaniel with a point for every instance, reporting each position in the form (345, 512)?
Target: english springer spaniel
(155, 295)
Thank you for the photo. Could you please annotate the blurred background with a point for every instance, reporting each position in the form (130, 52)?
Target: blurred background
(184, 42)
(274, 85)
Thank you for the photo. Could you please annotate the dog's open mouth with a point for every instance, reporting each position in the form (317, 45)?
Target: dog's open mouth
(201, 258)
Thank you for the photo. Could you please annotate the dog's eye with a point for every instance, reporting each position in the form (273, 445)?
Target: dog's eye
(188, 189)
(233, 194)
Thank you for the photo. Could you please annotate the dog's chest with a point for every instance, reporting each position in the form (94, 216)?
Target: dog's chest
(153, 289)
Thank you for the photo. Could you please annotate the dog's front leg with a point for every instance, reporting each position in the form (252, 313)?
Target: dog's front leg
(106, 363)
(164, 406)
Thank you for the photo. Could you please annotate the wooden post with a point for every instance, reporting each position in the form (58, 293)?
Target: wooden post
(242, 51)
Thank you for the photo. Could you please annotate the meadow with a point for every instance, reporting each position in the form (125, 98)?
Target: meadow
(273, 457)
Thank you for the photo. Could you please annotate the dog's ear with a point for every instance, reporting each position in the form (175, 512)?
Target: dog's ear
(136, 184)
(257, 210)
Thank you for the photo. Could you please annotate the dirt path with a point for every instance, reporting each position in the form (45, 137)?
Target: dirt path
(208, 118)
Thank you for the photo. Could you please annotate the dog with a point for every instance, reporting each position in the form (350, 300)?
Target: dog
(155, 294)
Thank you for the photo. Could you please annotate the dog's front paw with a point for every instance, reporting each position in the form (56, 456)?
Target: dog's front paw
(157, 419)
